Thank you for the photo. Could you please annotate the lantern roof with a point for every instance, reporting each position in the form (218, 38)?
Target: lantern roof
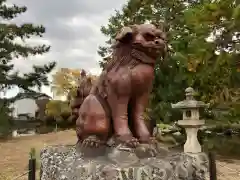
(189, 102)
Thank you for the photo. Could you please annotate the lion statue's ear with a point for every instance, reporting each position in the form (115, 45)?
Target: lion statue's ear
(126, 34)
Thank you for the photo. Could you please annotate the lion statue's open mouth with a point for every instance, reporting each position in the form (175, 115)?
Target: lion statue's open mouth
(145, 38)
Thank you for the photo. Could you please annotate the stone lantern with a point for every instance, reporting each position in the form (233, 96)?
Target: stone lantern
(190, 108)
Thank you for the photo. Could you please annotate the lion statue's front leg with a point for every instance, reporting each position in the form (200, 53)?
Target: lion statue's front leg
(119, 94)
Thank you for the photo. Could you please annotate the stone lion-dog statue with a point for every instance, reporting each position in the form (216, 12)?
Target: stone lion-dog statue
(115, 106)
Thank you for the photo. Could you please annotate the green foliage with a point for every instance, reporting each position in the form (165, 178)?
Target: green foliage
(58, 109)
(5, 119)
(224, 146)
(232, 115)
(203, 48)
(58, 112)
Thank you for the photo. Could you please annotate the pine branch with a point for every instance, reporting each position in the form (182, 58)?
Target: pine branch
(7, 12)
(10, 49)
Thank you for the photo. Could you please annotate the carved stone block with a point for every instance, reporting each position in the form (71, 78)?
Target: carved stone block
(66, 163)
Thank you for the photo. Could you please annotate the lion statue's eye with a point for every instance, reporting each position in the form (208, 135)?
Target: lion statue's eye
(149, 37)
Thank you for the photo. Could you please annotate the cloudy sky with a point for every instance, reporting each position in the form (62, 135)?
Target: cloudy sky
(72, 30)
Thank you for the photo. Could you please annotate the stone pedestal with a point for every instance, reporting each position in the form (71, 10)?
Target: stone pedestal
(192, 144)
(66, 163)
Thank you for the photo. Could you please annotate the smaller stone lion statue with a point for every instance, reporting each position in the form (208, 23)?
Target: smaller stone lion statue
(114, 108)
(84, 87)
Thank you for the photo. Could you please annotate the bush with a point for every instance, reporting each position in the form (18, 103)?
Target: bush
(65, 115)
(59, 113)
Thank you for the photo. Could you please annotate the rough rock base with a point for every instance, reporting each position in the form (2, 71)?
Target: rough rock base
(65, 163)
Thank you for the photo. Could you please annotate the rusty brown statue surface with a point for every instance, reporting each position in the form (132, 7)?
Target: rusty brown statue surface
(115, 106)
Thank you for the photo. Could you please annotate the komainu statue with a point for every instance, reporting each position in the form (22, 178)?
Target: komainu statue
(115, 106)
(84, 86)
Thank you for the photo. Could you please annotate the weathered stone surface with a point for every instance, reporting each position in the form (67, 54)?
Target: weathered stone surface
(66, 163)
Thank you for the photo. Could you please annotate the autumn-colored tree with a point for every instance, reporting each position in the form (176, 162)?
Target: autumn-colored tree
(56, 108)
(65, 82)
(203, 51)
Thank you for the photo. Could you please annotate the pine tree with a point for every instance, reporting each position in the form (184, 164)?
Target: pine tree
(10, 49)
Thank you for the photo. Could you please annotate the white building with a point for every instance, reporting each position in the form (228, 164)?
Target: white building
(26, 105)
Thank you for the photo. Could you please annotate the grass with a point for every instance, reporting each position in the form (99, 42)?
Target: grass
(15, 153)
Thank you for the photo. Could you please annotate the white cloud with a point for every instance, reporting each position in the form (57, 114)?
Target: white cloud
(72, 30)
